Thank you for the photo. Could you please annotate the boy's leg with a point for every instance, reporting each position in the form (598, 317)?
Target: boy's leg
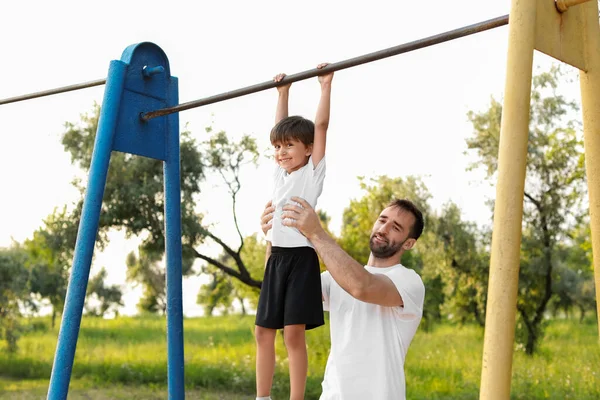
(295, 342)
(265, 360)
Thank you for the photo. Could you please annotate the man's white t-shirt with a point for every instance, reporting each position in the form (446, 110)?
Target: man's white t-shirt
(306, 183)
(369, 342)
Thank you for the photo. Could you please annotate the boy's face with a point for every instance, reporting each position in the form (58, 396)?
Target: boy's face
(291, 154)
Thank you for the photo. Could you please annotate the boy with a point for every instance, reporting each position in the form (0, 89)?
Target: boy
(290, 297)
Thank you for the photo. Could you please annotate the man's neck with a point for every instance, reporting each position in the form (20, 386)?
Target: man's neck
(384, 262)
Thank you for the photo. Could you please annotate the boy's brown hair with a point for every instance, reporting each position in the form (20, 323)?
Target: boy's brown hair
(294, 127)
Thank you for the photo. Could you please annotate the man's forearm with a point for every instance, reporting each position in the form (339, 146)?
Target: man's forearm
(345, 270)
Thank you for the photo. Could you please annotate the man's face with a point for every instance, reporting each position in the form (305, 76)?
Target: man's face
(390, 232)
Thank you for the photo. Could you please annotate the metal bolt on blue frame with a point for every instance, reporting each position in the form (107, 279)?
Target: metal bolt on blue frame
(140, 81)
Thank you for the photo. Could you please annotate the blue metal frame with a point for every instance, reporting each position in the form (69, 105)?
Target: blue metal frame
(140, 81)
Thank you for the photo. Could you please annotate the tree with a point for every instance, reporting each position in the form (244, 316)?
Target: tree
(13, 292)
(465, 268)
(134, 199)
(554, 190)
(107, 298)
(50, 253)
(217, 292)
(227, 158)
(574, 284)
(148, 271)
(361, 214)
(223, 289)
(451, 255)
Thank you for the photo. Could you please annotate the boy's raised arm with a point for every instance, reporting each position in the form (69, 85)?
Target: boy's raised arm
(322, 118)
(282, 101)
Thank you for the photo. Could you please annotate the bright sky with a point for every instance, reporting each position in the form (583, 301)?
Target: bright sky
(400, 116)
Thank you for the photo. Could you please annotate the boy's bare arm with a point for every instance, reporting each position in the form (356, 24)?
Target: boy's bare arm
(345, 270)
(282, 101)
(322, 118)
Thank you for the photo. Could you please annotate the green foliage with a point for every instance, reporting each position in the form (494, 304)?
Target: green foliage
(465, 269)
(107, 298)
(13, 291)
(50, 253)
(573, 284)
(147, 271)
(222, 290)
(253, 254)
(357, 225)
(218, 292)
(227, 158)
(554, 191)
(134, 192)
(451, 255)
(361, 214)
(444, 363)
(134, 200)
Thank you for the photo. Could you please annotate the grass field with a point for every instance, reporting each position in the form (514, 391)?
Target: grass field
(126, 358)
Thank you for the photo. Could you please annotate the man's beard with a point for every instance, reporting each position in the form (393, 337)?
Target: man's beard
(385, 250)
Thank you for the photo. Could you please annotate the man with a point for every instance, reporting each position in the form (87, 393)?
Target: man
(374, 310)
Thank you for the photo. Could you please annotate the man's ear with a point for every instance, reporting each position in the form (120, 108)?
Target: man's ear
(409, 243)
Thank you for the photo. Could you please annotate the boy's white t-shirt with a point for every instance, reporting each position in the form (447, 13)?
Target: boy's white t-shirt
(369, 342)
(306, 183)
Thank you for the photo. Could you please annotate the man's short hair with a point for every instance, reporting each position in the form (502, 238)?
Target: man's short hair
(294, 127)
(407, 205)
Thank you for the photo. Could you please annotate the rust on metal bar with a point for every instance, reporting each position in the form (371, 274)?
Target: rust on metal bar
(352, 62)
(63, 89)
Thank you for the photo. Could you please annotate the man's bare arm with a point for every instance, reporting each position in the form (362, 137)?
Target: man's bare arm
(346, 271)
(352, 276)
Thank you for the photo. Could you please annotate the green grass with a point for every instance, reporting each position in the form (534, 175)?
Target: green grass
(83, 389)
(126, 358)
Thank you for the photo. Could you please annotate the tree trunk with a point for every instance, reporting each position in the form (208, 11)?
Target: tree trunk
(582, 316)
(208, 310)
(478, 317)
(531, 339)
(241, 299)
(531, 332)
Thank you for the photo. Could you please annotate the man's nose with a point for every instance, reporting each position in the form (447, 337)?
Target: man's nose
(385, 228)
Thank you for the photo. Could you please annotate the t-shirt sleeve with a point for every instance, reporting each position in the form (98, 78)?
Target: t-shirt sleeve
(325, 289)
(411, 289)
(277, 171)
(319, 174)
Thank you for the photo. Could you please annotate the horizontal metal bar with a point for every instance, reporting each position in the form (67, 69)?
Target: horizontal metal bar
(352, 62)
(63, 89)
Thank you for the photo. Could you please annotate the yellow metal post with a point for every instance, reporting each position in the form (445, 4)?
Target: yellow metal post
(508, 212)
(590, 99)
(563, 5)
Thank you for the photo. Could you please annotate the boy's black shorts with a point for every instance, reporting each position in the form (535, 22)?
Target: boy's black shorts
(291, 289)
